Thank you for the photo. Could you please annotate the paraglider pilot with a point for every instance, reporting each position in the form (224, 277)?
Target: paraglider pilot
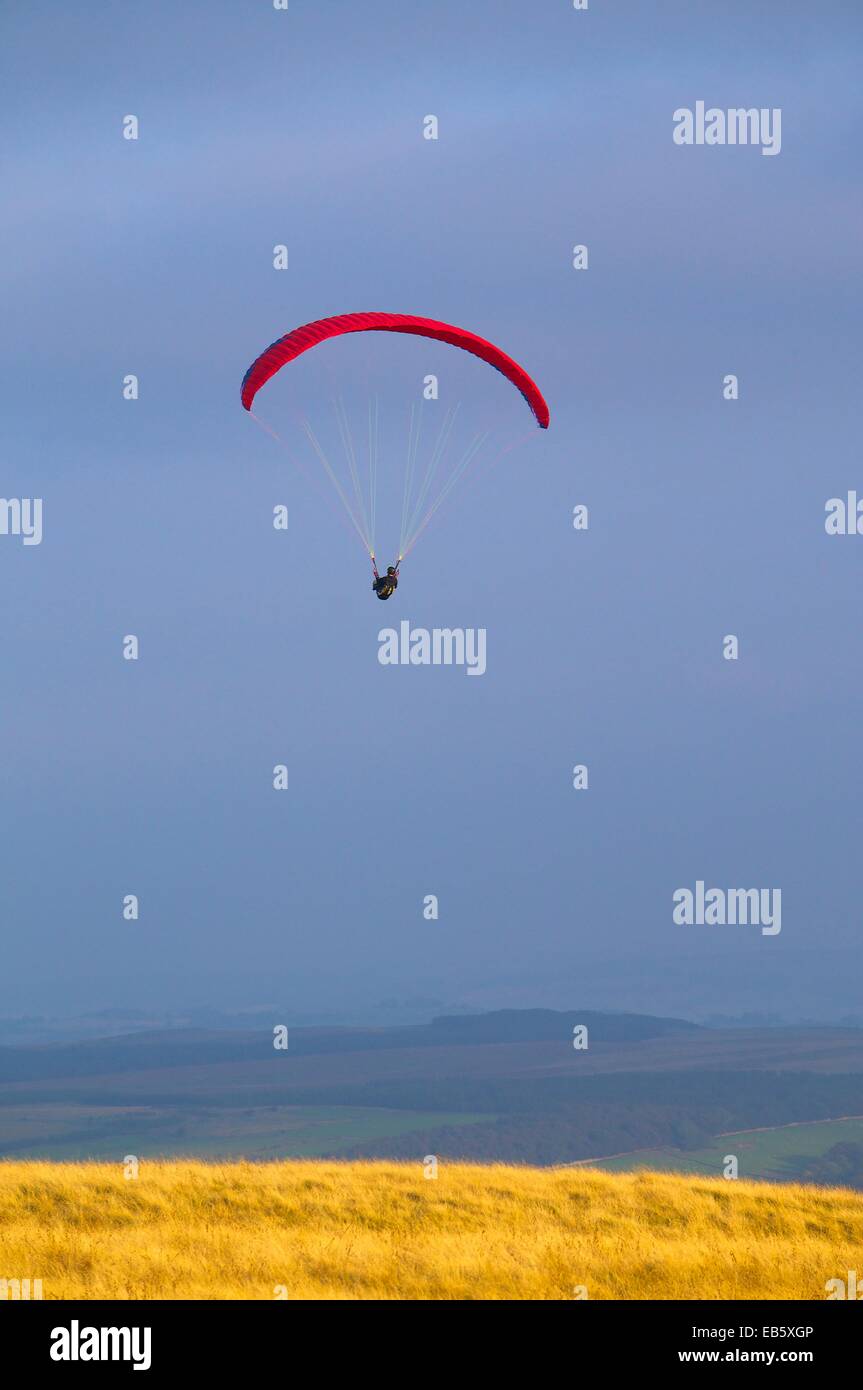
(385, 585)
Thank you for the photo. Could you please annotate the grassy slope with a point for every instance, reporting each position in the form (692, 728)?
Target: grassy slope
(380, 1230)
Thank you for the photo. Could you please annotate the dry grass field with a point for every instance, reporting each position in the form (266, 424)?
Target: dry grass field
(323, 1230)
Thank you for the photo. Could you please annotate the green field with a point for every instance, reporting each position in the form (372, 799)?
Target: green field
(774, 1155)
(72, 1132)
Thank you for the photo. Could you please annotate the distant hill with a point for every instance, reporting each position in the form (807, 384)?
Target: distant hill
(548, 1025)
(191, 1047)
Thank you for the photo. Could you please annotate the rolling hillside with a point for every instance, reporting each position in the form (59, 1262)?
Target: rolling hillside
(384, 1231)
(499, 1087)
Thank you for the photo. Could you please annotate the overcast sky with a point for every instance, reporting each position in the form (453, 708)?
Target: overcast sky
(604, 647)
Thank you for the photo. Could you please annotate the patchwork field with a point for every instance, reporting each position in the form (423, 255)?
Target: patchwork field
(309, 1230)
(503, 1087)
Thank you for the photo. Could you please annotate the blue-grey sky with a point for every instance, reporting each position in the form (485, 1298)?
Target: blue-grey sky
(154, 257)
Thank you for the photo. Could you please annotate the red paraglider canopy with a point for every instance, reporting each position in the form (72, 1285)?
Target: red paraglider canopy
(301, 339)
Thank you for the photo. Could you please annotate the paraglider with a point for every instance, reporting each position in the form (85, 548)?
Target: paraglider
(417, 508)
(385, 585)
(299, 340)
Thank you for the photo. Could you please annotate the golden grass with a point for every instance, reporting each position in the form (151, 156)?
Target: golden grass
(329, 1230)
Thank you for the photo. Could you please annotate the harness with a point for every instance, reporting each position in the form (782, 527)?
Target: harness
(385, 585)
